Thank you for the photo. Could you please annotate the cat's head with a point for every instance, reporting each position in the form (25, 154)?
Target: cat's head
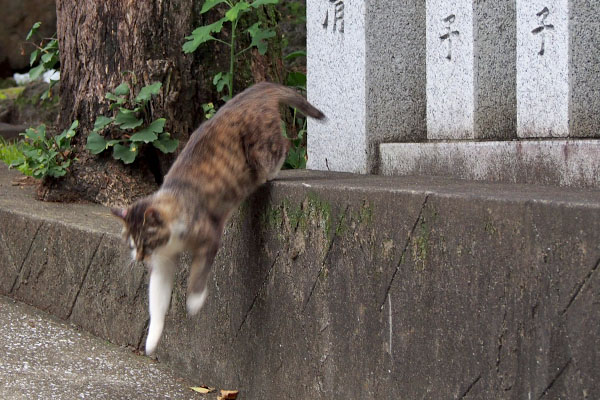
(145, 227)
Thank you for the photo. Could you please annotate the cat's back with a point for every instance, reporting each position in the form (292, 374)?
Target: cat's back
(213, 164)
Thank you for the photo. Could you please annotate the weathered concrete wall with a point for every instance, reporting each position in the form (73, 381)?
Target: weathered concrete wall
(338, 286)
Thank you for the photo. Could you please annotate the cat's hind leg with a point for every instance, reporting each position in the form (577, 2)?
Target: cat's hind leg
(161, 284)
(198, 278)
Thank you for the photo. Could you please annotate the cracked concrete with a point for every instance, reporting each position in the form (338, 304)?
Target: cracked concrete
(579, 287)
(258, 293)
(555, 379)
(468, 390)
(408, 242)
(474, 279)
(87, 270)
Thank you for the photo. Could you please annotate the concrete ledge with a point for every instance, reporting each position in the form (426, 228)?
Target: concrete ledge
(344, 286)
(573, 163)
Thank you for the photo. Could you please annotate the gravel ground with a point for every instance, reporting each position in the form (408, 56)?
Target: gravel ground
(42, 357)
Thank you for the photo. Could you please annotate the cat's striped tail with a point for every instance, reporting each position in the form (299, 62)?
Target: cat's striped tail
(288, 96)
(294, 99)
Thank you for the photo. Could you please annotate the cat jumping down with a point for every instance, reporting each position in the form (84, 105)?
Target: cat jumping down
(227, 158)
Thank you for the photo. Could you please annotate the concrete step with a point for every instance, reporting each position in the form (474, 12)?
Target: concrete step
(573, 162)
(345, 286)
(42, 357)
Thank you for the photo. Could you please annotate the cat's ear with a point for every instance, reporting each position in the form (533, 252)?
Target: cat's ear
(152, 217)
(119, 212)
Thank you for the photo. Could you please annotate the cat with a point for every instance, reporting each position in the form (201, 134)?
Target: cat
(226, 159)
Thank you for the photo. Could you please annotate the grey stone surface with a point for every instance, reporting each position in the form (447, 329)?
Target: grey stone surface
(55, 267)
(9, 131)
(471, 71)
(41, 357)
(584, 42)
(342, 286)
(336, 85)
(558, 67)
(395, 73)
(543, 76)
(112, 301)
(553, 162)
(366, 72)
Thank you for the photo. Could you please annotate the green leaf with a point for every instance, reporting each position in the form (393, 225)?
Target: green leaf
(117, 99)
(96, 144)
(35, 134)
(110, 143)
(145, 135)
(35, 72)
(295, 54)
(209, 110)
(127, 120)
(217, 78)
(236, 10)
(148, 91)
(66, 134)
(158, 125)
(33, 57)
(259, 3)
(296, 158)
(259, 36)
(122, 90)
(101, 122)
(128, 111)
(209, 4)
(149, 134)
(221, 80)
(124, 153)
(47, 57)
(201, 35)
(51, 46)
(165, 143)
(73, 127)
(49, 62)
(296, 79)
(57, 171)
(33, 30)
(45, 95)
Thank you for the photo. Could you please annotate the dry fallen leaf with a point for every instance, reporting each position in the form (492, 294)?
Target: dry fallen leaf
(202, 389)
(228, 395)
(24, 181)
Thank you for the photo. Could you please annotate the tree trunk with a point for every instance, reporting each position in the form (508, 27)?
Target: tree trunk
(100, 43)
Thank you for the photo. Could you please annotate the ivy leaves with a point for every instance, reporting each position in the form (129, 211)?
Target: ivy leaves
(44, 156)
(46, 55)
(233, 15)
(204, 33)
(132, 122)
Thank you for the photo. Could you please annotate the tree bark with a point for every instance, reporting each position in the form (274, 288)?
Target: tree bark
(103, 43)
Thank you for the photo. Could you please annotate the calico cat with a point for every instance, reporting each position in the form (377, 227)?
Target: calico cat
(227, 158)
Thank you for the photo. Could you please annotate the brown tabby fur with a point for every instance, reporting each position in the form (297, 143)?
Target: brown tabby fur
(227, 158)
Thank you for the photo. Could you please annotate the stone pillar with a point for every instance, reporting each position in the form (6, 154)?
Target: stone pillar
(366, 72)
(558, 64)
(471, 69)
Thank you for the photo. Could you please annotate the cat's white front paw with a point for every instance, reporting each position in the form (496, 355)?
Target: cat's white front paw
(195, 301)
(154, 333)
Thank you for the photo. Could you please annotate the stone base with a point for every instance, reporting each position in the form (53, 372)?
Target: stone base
(573, 163)
(341, 286)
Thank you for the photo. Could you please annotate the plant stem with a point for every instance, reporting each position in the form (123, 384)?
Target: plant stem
(243, 51)
(222, 41)
(232, 57)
